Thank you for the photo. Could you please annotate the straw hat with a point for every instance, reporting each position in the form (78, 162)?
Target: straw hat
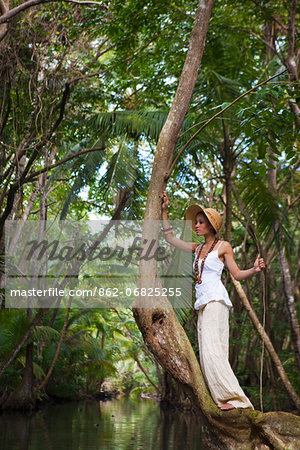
(211, 214)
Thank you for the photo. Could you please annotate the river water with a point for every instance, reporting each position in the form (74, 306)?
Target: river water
(111, 425)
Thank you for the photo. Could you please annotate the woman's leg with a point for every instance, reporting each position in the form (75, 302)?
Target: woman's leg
(213, 333)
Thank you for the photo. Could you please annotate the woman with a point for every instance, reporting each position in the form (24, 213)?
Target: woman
(212, 301)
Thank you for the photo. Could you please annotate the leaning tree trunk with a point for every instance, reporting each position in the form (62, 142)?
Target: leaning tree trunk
(157, 321)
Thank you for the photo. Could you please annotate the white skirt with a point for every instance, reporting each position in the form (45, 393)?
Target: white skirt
(213, 339)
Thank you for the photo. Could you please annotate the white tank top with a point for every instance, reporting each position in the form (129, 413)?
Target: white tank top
(211, 287)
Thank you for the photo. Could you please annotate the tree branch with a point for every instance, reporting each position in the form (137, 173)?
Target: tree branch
(61, 106)
(290, 59)
(269, 14)
(4, 10)
(267, 44)
(30, 3)
(62, 161)
(291, 36)
(3, 7)
(88, 75)
(36, 321)
(279, 367)
(18, 183)
(144, 371)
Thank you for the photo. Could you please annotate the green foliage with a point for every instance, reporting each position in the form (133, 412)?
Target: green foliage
(13, 324)
(131, 123)
(259, 200)
(44, 334)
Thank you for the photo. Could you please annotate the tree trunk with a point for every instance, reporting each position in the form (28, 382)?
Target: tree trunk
(291, 59)
(38, 184)
(228, 162)
(290, 303)
(24, 397)
(59, 346)
(159, 325)
(4, 8)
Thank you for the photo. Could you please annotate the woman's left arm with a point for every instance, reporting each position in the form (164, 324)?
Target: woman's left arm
(233, 268)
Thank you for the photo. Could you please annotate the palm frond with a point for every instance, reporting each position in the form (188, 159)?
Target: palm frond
(68, 150)
(180, 275)
(42, 333)
(121, 172)
(214, 85)
(90, 165)
(81, 317)
(264, 206)
(13, 325)
(131, 123)
(38, 372)
(92, 348)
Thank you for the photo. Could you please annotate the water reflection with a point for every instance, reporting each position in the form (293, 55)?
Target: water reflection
(117, 424)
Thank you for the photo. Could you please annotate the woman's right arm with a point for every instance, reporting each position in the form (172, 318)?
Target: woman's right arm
(188, 247)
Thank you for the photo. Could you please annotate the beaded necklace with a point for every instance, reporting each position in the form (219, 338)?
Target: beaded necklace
(197, 274)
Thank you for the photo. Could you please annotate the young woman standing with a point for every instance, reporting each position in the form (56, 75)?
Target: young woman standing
(212, 301)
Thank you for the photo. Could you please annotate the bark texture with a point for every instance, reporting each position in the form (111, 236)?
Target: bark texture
(291, 59)
(161, 330)
(4, 8)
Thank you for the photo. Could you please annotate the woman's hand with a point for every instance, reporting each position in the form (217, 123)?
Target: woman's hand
(259, 264)
(165, 201)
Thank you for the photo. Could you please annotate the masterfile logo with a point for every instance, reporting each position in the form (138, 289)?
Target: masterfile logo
(93, 263)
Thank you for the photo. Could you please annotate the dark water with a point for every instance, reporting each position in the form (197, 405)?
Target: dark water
(117, 424)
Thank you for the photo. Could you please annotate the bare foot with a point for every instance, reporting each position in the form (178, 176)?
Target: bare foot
(226, 406)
